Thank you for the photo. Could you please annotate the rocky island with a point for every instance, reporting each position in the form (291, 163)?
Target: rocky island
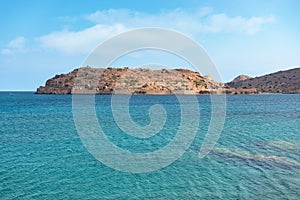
(86, 80)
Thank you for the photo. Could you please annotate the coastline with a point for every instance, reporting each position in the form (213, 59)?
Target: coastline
(102, 81)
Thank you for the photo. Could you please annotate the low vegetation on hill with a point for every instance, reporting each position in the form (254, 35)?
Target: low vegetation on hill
(128, 81)
(286, 82)
(87, 80)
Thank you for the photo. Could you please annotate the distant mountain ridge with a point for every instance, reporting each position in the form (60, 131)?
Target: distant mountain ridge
(88, 80)
(286, 82)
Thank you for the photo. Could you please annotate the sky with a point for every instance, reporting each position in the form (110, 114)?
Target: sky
(39, 39)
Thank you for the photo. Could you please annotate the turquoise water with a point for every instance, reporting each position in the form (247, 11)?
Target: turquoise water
(256, 157)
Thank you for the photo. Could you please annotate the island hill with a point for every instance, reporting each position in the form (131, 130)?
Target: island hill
(86, 80)
(283, 82)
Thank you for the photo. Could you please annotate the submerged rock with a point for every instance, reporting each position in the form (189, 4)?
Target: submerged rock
(256, 158)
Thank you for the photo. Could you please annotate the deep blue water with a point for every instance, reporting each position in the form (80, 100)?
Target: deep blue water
(256, 157)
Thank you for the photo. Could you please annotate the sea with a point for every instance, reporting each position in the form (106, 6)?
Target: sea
(43, 156)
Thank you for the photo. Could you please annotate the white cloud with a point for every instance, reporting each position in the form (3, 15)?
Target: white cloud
(16, 45)
(113, 21)
(199, 21)
(72, 42)
(6, 51)
(223, 23)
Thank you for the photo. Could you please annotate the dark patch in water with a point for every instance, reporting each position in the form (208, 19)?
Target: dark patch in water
(265, 163)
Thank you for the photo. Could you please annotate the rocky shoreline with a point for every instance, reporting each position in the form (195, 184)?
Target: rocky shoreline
(86, 80)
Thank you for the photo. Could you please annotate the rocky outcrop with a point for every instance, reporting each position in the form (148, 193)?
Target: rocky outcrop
(239, 78)
(59, 84)
(279, 82)
(130, 81)
(88, 80)
(241, 91)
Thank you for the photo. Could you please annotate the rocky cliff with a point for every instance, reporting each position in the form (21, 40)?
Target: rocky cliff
(279, 82)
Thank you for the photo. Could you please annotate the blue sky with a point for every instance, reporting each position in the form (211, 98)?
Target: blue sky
(39, 39)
